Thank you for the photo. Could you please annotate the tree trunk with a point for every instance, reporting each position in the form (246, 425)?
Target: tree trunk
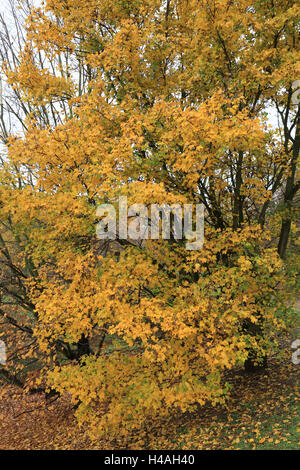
(289, 193)
(254, 362)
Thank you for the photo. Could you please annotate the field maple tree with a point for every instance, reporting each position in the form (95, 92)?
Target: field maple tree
(164, 102)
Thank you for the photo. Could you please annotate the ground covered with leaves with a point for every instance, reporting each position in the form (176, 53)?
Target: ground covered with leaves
(263, 413)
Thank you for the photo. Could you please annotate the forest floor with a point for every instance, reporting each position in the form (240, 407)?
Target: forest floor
(263, 413)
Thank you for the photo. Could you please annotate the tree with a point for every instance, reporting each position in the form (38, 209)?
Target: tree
(17, 310)
(167, 103)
